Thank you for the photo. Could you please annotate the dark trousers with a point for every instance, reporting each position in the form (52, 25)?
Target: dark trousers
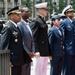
(56, 65)
(69, 65)
(26, 69)
(16, 70)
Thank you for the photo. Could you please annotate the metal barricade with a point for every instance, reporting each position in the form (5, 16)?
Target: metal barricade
(4, 62)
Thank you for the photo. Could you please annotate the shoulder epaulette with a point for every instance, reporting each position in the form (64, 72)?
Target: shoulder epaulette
(4, 25)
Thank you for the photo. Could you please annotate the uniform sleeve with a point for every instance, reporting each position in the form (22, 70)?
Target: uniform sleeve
(5, 38)
(51, 39)
(35, 30)
(62, 26)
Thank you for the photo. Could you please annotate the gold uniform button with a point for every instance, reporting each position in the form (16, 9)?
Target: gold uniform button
(42, 42)
(61, 46)
(23, 43)
(61, 42)
(12, 53)
(61, 38)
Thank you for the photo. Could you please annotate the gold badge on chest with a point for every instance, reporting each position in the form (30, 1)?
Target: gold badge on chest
(16, 35)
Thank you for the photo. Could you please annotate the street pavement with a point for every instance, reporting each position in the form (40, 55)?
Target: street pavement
(48, 69)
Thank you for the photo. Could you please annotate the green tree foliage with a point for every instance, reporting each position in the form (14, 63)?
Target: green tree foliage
(62, 4)
(73, 3)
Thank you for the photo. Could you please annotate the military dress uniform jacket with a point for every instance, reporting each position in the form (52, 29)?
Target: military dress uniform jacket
(11, 40)
(39, 29)
(56, 41)
(69, 33)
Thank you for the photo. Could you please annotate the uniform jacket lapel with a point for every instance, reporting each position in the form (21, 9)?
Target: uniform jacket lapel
(56, 31)
(23, 24)
(43, 23)
(13, 26)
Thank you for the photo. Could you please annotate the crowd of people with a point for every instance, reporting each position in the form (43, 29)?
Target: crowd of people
(34, 42)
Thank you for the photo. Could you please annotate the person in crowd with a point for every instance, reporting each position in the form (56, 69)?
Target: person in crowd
(56, 41)
(27, 36)
(39, 30)
(12, 40)
(1, 27)
(68, 26)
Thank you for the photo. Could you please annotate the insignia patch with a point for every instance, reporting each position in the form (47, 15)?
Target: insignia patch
(15, 33)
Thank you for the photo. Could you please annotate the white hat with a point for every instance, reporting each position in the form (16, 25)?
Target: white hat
(41, 5)
(67, 9)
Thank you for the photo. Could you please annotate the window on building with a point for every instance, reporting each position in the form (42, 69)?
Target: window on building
(1, 0)
(8, 0)
(15, 0)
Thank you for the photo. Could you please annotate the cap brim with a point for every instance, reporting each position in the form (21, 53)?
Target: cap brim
(56, 17)
(16, 11)
(70, 10)
(43, 8)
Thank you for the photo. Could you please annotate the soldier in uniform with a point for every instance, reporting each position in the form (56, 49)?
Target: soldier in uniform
(56, 41)
(12, 40)
(39, 30)
(68, 26)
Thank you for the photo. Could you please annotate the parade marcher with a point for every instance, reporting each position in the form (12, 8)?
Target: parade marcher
(27, 37)
(39, 29)
(56, 41)
(12, 40)
(68, 26)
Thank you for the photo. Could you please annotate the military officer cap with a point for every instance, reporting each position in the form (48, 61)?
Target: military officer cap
(41, 5)
(14, 10)
(56, 17)
(67, 9)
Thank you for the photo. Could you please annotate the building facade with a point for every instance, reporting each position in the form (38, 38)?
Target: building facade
(5, 5)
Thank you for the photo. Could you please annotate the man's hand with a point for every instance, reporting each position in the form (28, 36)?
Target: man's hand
(50, 57)
(31, 54)
(11, 64)
(37, 54)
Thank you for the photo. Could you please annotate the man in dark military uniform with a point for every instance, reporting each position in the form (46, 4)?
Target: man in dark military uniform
(56, 41)
(12, 40)
(39, 29)
(68, 25)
